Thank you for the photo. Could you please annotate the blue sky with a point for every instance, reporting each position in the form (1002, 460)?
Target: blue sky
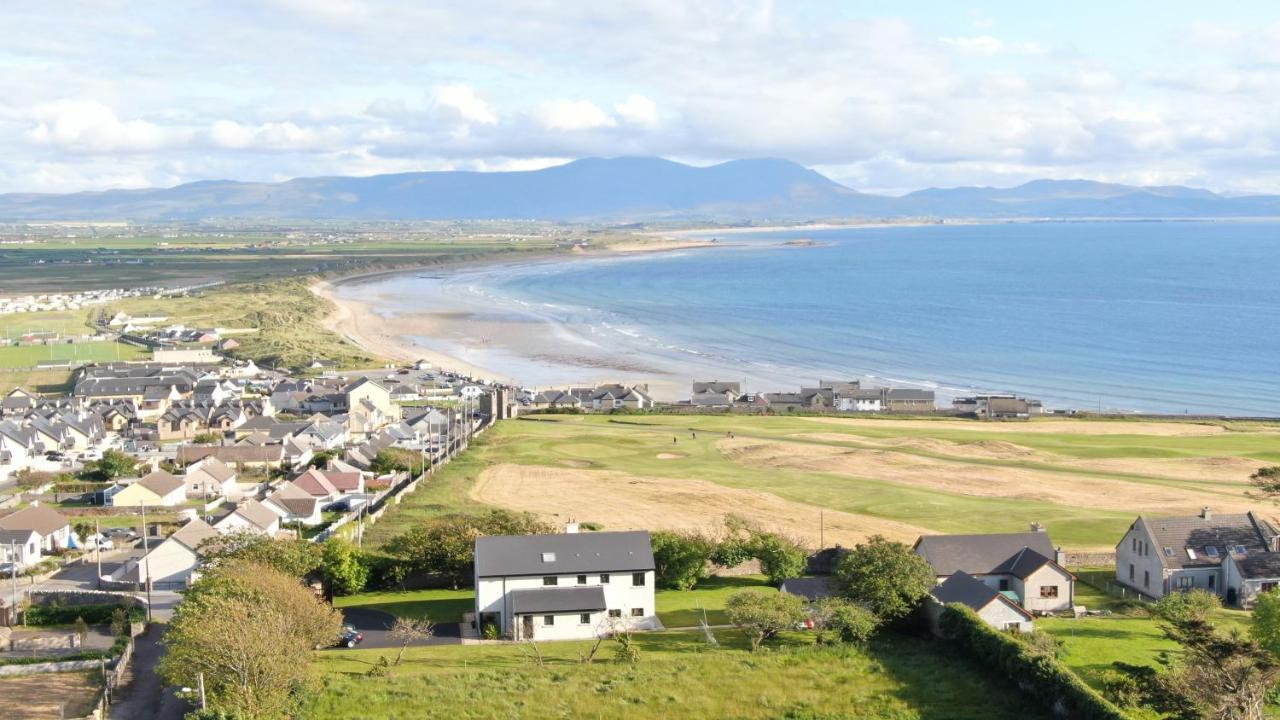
(883, 96)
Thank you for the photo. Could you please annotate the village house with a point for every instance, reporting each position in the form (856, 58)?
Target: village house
(715, 393)
(616, 397)
(211, 478)
(239, 456)
(294, 504)
(995, 607)
(997, 407)
(907, 400)
(154, 489)
(20, 547)
(171, 563)
(1161, 555)
(859, 400)
(51, 526)
(1024, 566)
(568, 586)
(251, 516)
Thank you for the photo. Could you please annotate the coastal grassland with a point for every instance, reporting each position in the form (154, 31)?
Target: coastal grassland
(838, 481)
(677, 675)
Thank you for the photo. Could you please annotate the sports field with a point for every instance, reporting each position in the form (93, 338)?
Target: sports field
(838, 480)
(26, 356)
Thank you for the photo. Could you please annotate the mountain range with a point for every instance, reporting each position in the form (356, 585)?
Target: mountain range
(624, 189)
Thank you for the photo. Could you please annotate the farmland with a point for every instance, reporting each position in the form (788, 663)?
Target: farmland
(840, 480)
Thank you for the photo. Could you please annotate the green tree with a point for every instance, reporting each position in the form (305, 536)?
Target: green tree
(780, 558)
(1181, 607)
(886, 576)
(342, 567)
(762, 615)
(1213, 675)
(249, 629)
(320, 459)
(850, 622)
(1265, 629)
(680, 558)
(392, 460)
(113, 464)
(446, 546)
(291, 556)
(206, 438)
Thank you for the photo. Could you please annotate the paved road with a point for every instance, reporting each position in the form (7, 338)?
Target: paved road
(84, 576)
(376, 625)
(142, 695)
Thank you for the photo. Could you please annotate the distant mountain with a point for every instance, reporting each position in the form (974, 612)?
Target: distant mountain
(623, 189)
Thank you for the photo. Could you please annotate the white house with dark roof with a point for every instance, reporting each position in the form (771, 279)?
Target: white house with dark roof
(1025, 565)
(52, 526)
(1158, 556)
(995, 607)
(568, 586)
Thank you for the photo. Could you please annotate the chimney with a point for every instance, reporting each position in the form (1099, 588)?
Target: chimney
(571, 527)
(1206, 513)
(1060, 557)
(1037, 527)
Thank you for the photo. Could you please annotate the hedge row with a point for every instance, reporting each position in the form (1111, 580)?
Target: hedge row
(1041, 676)
(67, 614)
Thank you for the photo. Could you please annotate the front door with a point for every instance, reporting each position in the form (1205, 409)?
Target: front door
(526, 627)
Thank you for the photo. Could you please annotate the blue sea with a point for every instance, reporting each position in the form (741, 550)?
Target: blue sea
(1132, 316)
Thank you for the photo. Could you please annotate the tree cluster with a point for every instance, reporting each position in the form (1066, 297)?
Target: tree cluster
(446, 546)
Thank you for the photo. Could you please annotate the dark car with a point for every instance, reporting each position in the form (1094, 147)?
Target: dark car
(350, 637)
(54, 455)
(120, 532)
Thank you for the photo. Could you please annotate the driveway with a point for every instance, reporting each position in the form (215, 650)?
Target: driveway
(142, 695)
(376, 626)
(84, 576)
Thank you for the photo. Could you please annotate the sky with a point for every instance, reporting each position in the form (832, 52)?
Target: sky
(881, 96)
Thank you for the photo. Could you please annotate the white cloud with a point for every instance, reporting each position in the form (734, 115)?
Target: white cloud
(92, 127)
(638, 110)
(570, 115)
(270, 136)
(978, 44)
(464, 101)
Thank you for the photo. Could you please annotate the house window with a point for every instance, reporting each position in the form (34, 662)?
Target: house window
(584, 619)
(582, 579)
(551, 580)
(1186, 581)
(1048, 591)
(1241, 550)
(1004, 585)
(548, 620)
(1168, 552)
(604, 578)
(1135, 544)
(1131, 571)
(1211, 551)
(615, 613)
(1146, 578)
(1191, 553)
(637, 579)
(637, 612)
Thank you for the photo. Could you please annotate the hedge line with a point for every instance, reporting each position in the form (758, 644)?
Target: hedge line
(1042, 677)
(67, 614)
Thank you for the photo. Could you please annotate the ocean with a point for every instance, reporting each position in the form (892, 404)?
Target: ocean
(1173, 317)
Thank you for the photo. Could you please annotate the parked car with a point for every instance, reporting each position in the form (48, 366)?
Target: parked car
(339, 506)
(91, 454)
(7, 569)
(118, 532)
(350, 637)
(55, 455)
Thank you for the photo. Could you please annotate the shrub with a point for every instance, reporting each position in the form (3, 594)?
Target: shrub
(101, 614)
(1121, 688)
(1041, 676)
(849, 622)
(680, 559)
(1181, 607)
(762, 615)
(780, 558)
(731, 553)
(887, 576)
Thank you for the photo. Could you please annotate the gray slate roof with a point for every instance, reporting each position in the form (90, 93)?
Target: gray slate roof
(979, 554)
(592, 552)
(965, 589)
(1265, 566)
(809, 588)
(557, 600)
(1223, 532)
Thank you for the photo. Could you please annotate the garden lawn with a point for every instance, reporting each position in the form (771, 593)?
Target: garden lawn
(441, 606)
(677, 675)
(684, 608)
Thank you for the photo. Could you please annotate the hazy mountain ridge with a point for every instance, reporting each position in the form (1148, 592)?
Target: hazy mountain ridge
(621, 189)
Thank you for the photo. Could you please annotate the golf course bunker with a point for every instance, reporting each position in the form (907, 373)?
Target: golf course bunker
(1066, 427)
(622, 501)
(671, 456)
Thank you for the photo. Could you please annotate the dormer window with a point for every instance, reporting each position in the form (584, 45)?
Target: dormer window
(1191, 553)
(1168, 552)
(1241, 550)
(1211, 551)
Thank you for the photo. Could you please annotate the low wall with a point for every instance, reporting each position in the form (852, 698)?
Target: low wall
(1089, 559)
(60, 641)
(49, 667)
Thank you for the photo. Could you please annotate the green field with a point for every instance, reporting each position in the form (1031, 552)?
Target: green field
(678, 675)
(438, 605)
(1079, 483)
(26, 356)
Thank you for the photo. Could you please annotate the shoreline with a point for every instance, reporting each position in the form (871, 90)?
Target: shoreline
(385, 338)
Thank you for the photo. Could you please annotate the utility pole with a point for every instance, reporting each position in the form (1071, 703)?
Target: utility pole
(822, 530)
(146, 560)
(13, 574)
(97, 549)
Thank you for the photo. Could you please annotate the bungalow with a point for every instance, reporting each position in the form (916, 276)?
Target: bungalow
(253, 517)
(244, 456)
(210, 478)
(158, 488)
(909, 400)
(1025, 565)
(1158, 556)
(569, 586)
(328, 485)
(173, 560)
(996, 607)
(293, 504)
(21, 547)
(50, 525)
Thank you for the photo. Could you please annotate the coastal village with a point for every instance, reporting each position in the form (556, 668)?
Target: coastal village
(118, 492)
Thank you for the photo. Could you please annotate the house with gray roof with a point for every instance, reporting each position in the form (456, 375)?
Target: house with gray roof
(1025, 565)
(566, 586)
(997, 608)
(1161, 555)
